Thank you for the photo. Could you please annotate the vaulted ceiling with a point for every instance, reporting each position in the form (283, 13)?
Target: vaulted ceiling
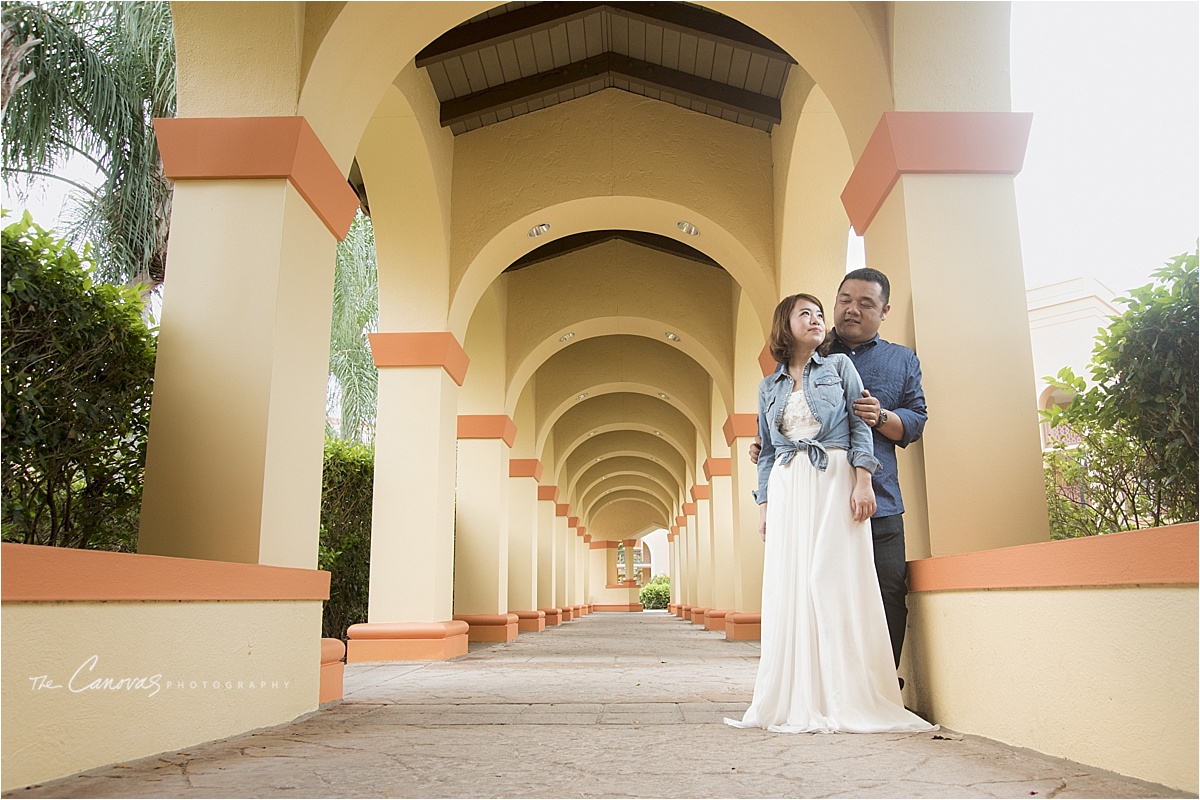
(521, 57)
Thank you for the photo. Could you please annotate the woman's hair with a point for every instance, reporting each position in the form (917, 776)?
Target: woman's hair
(781, 342)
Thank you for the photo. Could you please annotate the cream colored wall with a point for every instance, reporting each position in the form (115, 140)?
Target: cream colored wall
(610, 145)
(52, 732)
(619, 364)
(1102, 676)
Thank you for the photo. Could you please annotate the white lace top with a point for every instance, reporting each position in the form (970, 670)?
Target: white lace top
(798, 420)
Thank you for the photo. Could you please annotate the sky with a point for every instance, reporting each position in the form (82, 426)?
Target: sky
(1111, 182)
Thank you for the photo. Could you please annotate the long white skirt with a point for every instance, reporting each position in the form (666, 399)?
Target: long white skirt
(826, 662)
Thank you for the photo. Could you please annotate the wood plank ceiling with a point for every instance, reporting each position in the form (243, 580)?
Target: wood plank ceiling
(522, 57)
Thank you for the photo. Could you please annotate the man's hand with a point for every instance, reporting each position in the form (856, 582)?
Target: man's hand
(755, 449)
(867, 409)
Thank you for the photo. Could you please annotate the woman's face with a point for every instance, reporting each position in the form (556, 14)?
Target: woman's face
(807, 323)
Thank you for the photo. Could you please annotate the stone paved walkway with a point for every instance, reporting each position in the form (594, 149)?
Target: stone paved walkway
(611, 705)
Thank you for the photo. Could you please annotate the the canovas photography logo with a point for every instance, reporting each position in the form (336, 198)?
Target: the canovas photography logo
(90, 677)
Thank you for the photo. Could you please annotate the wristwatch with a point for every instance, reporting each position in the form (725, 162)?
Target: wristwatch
(883, 417)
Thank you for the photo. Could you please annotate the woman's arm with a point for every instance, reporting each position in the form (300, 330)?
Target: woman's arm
(862, 443)
(862, 498)
(766, 457)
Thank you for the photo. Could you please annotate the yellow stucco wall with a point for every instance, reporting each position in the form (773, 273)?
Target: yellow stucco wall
(203, 670)
(1105, 676)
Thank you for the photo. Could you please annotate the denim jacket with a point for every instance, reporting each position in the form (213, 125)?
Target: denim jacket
(831, 384)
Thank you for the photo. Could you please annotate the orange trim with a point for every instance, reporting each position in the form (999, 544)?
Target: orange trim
(718, 466)
(743, 626)
(525, 468)
(604, 544)
(572, 522)
(740, 426)
(1153, 556)
(332, 671)
(548, 493)
(490, 627)
(671, 536)
(618, 607)
(32, 573)
(406, 641)
(681, 521)
(701, 492)
(587, 538)
(766, 361)
(689, 509)
(933, 142)
(554, 616)
(215, 148)
(696, 614)
(581, 530)
(487, 426)
(530, 621)
(427, 349)
(562, 510)
(714, 619)
(674, 530)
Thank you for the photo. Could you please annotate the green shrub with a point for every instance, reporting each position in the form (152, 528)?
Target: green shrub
(78, 372)
(656, 593)
(345, 547)
(1129, 457)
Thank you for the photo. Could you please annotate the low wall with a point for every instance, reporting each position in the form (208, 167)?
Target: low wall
(1084, 649)
(111, 656)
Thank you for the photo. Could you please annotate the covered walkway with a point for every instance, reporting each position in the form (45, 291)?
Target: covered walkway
(610, 705)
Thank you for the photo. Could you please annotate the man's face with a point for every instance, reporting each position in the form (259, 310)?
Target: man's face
(858, 311)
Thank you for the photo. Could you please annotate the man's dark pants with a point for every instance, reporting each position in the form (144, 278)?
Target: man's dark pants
(887, 534)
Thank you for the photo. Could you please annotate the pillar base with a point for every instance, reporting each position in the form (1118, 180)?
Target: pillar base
(332, 670)
(554, 616)
(696, 614)
(490, 627)
(530, 621)
(671, 608)
(406, 641)
(741, 626)
(684, 611)
(619, 607)
(714, 618)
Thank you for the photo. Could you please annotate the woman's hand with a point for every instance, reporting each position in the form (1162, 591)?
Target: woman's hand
(862, 499)
(762, 521)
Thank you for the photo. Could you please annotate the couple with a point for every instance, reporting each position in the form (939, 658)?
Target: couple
(825, 625)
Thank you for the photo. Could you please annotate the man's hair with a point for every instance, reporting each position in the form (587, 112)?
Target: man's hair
(872, 276)
(781, 341)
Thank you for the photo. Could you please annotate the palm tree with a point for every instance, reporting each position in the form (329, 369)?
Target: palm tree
(353, 377)
(86, 80)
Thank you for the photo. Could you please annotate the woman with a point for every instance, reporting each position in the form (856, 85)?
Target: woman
(826, 662)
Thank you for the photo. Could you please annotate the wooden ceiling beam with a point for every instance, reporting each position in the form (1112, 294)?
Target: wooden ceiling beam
(502, 28)
(703, 23)
(608, 66)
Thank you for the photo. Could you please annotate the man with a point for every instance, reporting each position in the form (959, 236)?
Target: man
(893, 404)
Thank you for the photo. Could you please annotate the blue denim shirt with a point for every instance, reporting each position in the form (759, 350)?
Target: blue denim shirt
(892, 373)
(830, 386)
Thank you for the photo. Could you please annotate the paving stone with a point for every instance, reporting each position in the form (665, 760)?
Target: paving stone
(611, 705)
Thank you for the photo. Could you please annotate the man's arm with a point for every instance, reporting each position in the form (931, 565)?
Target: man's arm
(905, 423)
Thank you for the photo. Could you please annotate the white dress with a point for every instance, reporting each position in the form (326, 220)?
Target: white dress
(826, 662)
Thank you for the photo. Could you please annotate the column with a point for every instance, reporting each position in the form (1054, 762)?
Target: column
(933, 192)
(562, 575)
(720, 506)
(481, 527)
(523, 477)
(412, 518)
(547, 578)
(233, 468)
(745, 622)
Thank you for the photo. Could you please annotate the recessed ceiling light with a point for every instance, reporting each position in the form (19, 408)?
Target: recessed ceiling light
(674, 337)
(591, 433)
(663, 396)
(683, 225)
(566, 337)
(581, 395)
(539, 229)
(658, 433)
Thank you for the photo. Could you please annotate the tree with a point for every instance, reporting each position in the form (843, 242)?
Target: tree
(353, 377)
(87, 79)
(1135, 463)
(78, 367)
